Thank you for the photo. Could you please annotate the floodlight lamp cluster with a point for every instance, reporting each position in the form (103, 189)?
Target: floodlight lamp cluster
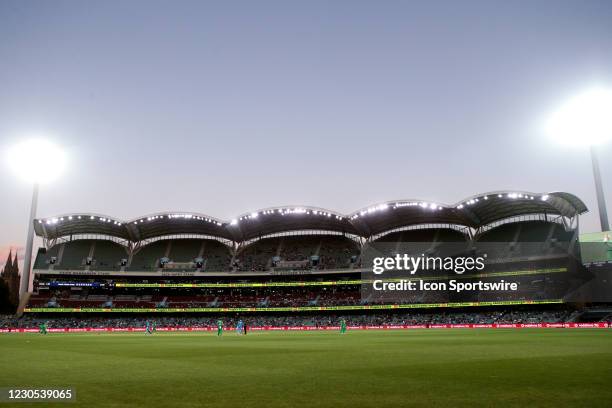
(285, 211)
(370, 210)
(512, 196)
(400, 204)
(422, 204)
(59, 220)
(184, 216)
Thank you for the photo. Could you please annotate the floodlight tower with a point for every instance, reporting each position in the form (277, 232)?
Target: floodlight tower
(601, 200)
(27, 260)
(31, 160)
(583, 120)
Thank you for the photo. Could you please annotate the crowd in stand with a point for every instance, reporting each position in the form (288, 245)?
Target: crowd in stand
(244, 297)
(484, 317)
(292, 296)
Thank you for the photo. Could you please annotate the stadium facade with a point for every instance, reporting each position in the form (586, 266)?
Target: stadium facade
(299, 260)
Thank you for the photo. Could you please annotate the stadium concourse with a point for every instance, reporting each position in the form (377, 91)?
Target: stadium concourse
(281, 265)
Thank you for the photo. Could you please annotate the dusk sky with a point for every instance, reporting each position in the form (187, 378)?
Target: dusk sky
(229, 107)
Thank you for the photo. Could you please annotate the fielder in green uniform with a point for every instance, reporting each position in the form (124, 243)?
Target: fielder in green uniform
(42, 328)
(219, 327)
(342, 326)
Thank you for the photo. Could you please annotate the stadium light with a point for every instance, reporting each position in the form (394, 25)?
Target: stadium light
(38, 161)
(586, 120)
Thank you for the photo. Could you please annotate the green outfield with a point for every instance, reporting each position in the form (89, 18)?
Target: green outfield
(447, 367)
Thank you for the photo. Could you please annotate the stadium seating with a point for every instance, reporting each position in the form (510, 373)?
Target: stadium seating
(303, 257)
(430, 241)
(147, 258)
(525, 239)
(333, 252)
(510, 241)
(75, 254)
(184, 250)
(108, 255)
(217, 256)
(534, 286)
(429, 235)
(44, 257)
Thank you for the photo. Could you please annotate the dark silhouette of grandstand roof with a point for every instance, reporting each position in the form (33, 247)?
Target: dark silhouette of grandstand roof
(138, 229)
(474, 212)
(160, 224)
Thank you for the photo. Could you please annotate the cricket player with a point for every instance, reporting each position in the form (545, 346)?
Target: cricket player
(148, 328)
(42, 328)
(342, 326)
(240, 327)
(219, 327)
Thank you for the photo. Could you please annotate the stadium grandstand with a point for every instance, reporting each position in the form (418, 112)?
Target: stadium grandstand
(300, 260)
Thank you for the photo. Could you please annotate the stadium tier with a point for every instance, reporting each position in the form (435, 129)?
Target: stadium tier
(298, 252)
(301, 258)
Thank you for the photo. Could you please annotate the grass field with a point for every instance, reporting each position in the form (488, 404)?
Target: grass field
(527, 367)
